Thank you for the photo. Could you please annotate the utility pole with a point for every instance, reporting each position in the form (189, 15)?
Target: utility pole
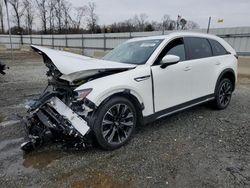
(1, 14)
(209, 22)
(163, 29)
(178, 22)
(8, 19)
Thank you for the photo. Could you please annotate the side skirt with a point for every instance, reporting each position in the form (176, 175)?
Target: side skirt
(177, 108)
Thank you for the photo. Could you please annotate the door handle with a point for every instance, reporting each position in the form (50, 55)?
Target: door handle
(187, 69)
(217, 63)
(139, 79)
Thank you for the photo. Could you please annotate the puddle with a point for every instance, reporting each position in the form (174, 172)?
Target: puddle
(41, 159)
(15, 162)
(100, 180)
(11, 158)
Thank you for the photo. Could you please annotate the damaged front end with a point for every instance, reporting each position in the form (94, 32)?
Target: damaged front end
(62, 114)
(51, 120)
(56, 117)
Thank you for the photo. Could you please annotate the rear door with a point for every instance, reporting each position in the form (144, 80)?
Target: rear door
(203, 66)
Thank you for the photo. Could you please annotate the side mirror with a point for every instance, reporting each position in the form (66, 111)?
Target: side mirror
(169, 60)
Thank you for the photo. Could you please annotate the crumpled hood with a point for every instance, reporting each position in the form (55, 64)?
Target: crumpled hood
(69, 63)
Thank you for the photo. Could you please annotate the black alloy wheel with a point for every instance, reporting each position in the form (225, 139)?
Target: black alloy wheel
(223, 94)
(115, 122)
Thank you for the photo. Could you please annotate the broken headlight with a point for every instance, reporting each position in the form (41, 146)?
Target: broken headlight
(82, 94)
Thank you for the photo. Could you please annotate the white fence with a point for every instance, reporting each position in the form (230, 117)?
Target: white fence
(238, 37)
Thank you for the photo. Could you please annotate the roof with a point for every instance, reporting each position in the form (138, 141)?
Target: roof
(176, 34)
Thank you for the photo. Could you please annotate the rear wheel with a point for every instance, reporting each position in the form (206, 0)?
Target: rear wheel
(223, 94)
(115, 123)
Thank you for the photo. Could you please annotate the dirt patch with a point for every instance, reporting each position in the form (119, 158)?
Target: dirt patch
(19, 56)
(100, 180)
(244, 66)
(41, 159)
(244, 59)
(244, 79)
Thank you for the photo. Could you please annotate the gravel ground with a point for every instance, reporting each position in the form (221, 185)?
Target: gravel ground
(199, 147)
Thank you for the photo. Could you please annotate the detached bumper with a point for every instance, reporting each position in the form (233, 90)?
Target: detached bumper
(76, 121)
(54, 121)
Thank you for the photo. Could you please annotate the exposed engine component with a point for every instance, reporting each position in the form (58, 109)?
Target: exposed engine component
(50, 120)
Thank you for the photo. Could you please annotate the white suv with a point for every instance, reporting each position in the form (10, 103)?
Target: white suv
(140, 81)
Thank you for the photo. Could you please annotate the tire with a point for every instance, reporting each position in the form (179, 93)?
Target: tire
(115, 122)
(223, 94)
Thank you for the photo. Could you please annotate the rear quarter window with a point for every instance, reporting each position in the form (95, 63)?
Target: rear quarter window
(198, 48)
(217, 48)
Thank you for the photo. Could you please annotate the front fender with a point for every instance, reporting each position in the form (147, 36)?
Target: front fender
(104, 87)
(106, 94)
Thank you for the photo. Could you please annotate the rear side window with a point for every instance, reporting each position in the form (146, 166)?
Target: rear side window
(217, 48)
(197, 48)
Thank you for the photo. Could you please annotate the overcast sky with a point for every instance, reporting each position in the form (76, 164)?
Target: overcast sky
(234, 12)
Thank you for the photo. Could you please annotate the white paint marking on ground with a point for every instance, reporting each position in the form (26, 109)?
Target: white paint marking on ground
(9, 123)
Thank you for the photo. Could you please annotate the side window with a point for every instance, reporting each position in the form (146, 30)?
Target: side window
(217, 48)
(175, 47)
(198, 48)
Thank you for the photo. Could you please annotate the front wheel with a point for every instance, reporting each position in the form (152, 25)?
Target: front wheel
(115, 123)
(223, 94)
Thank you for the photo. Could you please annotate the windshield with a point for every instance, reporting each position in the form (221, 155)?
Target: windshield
(137, 52)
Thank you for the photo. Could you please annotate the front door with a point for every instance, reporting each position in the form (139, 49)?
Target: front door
(172, 84)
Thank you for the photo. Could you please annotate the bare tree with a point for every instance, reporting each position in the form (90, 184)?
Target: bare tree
(29, 15)
(66, 6)
(42, 7)
(140, 21)
(92, 18)
(166, 21)
(172, 25)
(58, 14)
(1, 16)
(129, 25)
(156, 25)
(80, 13)
(51, 14)
(192, 25)
(19, 9)
(124, 26)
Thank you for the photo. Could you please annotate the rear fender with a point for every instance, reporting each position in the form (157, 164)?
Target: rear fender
(229, 72)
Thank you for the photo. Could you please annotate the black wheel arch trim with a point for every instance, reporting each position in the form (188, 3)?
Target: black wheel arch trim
(228, 70)
(128, 95)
